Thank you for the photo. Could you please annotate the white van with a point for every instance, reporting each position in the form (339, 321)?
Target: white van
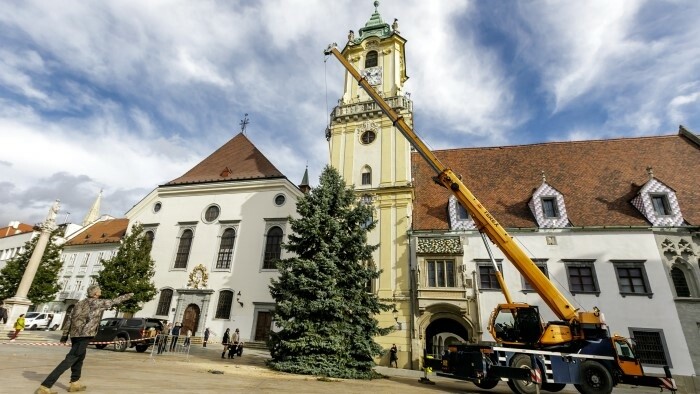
(43, 320)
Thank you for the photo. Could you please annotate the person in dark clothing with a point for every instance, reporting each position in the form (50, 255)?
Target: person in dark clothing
(176, 334)
(394, 356)
(225, 341)
(3, 314)
(206, 337)
(82, 326)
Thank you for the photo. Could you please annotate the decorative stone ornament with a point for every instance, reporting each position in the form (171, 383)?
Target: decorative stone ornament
(198, 277)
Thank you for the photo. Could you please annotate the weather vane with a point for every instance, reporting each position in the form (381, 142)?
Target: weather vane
(244, 123)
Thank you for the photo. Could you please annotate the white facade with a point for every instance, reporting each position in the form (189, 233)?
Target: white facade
(12, 245)
(251, 208)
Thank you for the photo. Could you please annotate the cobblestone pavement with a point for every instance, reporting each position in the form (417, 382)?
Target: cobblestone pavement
(22, 368)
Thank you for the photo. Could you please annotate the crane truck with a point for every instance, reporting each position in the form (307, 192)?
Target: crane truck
(529, 354)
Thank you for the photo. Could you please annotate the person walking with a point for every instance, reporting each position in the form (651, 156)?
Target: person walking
(48, 326)
(81, 327)
(176, 334)
(188, 335)
(233, 347)
(206, 337)
(225, 341)
(394, 356)
(3, 314)
(19, 326)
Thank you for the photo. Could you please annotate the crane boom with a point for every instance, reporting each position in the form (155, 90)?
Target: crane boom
(485, 222)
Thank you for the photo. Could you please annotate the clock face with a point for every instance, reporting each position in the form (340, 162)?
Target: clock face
(373, 75)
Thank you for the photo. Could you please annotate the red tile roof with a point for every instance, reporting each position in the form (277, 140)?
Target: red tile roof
(238, 159)
(10, 230)
(106, 231)
(598, 179)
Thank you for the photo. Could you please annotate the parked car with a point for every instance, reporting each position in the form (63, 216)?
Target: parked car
(136, 332)
(43, 320)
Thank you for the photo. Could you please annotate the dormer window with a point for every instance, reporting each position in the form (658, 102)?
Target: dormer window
(549, 207)
(459, 217)
(661, 205)
(372, 59)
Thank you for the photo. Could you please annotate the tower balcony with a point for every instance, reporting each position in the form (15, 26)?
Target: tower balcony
(363, 109)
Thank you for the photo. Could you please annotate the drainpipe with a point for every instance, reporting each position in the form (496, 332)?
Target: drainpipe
(413, 296)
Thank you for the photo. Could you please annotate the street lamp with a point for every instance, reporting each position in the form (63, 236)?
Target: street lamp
(395, 313)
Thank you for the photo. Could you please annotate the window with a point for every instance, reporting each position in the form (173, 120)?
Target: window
(183, 249)
(166, 297)
(366, 176)
(223, 308)
(462, 213)
(372, 59)
(71, 261)
(85, 260)
(549, 207)
(651, 347)
(543, 267)
(441, 273)
(487, 276)
(632, 278)
(582, 277)
(228, 238)
(368, 137)
(273, 247)
(157, 206)
(280, 200)
(679, 282)
(660, 203)
(212, 213)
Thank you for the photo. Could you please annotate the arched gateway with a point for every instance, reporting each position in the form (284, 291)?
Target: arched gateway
(442, 325)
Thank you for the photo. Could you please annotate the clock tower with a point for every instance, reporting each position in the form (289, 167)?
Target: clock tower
(375, 157)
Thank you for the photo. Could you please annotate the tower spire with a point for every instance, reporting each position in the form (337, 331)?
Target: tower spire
(94, 212)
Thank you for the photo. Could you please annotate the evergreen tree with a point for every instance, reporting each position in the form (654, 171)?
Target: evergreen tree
(130, 271)
(45, 284)
(323, 308)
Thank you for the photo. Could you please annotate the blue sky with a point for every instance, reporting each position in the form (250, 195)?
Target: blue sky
(126, 95)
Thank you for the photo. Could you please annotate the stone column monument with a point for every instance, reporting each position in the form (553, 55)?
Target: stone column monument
(19, 304)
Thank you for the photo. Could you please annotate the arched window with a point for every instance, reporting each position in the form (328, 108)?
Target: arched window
(166, 297)
(149, 236)
(273, 248)
(223, 308)
(228, 238)
(371, 60)
(366, 175)
(183, 249)
(679, 282)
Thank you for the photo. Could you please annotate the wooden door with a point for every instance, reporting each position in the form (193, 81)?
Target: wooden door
(263, 326)
(190, 319)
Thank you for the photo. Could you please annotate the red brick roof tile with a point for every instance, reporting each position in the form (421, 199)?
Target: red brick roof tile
(238, 159)
(21, 229)
(597, 178)
(106, 231)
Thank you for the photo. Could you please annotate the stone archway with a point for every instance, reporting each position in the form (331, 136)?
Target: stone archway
(190, 319)
(442, 325)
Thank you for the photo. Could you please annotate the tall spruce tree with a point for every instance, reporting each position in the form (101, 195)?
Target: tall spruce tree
(323, 308)
(130, 271)
(45, 284)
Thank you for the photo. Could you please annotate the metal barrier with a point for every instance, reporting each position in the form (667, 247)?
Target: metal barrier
(173, 345)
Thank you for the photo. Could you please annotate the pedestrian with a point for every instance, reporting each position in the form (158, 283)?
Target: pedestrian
(176, 334)
(206, 337)
(187, 337)
(225, 341)
(393, 356)
(162, 338)
(3, 314)
(48, 326)
(233, 347)
(81, 327)
(19, 326)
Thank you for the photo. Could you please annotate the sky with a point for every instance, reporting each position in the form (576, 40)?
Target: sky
(123, 96)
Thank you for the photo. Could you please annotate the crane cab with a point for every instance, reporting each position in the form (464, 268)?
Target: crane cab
(520, 324)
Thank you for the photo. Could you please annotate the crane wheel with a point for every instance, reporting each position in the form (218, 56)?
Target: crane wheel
(522, 386)
(595, 379)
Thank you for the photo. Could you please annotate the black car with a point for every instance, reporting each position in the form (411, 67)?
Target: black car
(137, 332)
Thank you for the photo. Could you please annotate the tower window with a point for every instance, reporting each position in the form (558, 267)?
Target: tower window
(372, 59)
(661, 205)
(366, 176)
(368, 137)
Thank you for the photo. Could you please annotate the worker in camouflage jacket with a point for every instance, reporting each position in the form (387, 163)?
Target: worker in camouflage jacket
(82, 325)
